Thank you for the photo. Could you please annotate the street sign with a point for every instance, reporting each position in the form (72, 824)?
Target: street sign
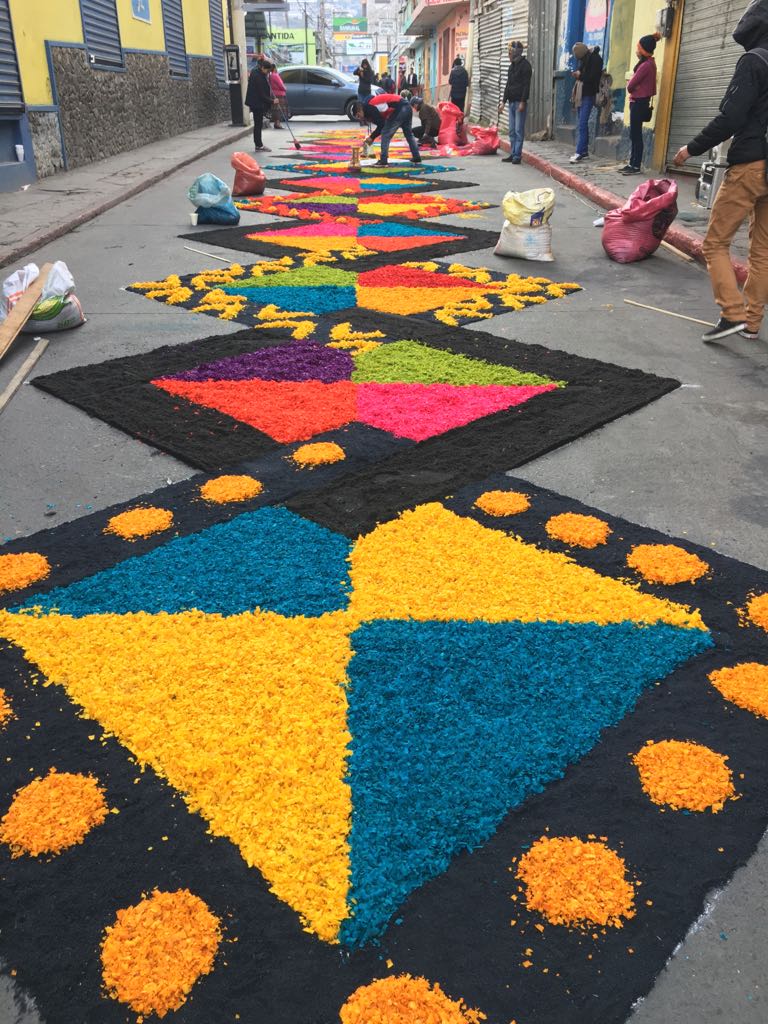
(140, 10)
(359, 46)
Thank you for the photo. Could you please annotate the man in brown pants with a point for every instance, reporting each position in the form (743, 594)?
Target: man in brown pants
(744, 192)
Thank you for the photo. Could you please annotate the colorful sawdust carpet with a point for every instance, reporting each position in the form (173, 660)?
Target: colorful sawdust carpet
(396, 168)
(303, 288)
(409, 205)
(348, 184)
(222, 400)
(475, 744)
(364, 244)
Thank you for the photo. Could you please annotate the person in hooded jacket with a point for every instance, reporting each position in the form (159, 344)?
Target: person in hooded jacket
(458, 81)
(641, 88)
(744, 192)
(516, 93)
(587, 78)
(258, 98)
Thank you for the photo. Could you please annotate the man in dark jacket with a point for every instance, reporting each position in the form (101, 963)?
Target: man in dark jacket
(587, 84)
(258, 97)
(458, 80)
(744, 192)
(429, 128)
(516, 93)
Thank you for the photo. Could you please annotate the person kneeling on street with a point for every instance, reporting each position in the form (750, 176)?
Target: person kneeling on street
(429, 128)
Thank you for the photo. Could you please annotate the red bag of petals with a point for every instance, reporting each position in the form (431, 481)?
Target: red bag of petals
(486, 141)
(250, 180)
(635, 231)
(452, 130)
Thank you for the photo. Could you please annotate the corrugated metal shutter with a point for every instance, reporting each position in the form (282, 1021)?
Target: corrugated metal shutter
(542, 42)
(489, 70)
(101, 31)
(708, 56)
(11, 96)
(175, 44)
(217, 38)
(516, 23)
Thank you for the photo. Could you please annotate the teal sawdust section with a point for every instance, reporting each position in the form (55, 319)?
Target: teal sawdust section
(304, 290)
(270, 559)
(454, 724)
(412, 363)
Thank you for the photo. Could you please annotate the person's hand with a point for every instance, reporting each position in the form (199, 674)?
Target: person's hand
(576, 74)
(501, 105)
(681, 156)
(521, 105)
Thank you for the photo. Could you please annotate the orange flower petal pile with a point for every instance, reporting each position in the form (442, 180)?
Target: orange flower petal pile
(745, 684)
(575, 883)
(232, 487)
(757, 610)
(578, 530)
(140, 522)
(53, 813)
(403, 999)
(156, 950)
(666, 563)
(503, 503)
(684, 776)
(6, 711)
(318, 453)
(20, 570)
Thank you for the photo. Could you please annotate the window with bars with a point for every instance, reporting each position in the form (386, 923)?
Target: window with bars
(11, 96)
(175, 44)
(101, 31)
(217, 38)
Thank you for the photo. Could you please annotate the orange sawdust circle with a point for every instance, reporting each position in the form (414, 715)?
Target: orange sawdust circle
(156, 950)
(403, 999)
(577, 884)
(52, 813)
(232, 487)
(140, 522)
(20, 570)
(666, 563)
(503, 503)
(684, 776)
(318, 453)
(6, 711)
(745, 684)
(581, 531)
(757, 610)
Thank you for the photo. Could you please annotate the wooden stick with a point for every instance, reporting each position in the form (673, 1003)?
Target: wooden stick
(18, 378)
(678, 252)
(22, 311)
(208, 254)
(668, 312)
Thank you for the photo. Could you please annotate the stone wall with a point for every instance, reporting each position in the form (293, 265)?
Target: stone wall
(108, 112)
(46, 142)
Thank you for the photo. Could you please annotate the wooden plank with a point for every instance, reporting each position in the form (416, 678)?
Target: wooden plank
(21, 373)
(668, 312)
(22, 311)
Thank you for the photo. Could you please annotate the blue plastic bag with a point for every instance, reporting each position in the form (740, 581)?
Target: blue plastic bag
(213, 200)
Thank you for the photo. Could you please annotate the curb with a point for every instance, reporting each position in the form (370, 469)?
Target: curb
(688, 242)
(37, 241)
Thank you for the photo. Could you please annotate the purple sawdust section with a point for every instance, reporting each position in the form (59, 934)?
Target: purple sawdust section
(305, 361)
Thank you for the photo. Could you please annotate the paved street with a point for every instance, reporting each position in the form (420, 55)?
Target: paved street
(693, 464)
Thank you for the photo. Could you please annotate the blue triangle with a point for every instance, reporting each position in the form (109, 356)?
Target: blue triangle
(270, 559)
(454, 724)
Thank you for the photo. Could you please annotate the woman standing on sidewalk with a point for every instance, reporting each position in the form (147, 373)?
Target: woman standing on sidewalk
(641, 88)
(280, 107)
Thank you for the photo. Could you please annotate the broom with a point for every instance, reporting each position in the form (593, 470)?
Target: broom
(296, 143)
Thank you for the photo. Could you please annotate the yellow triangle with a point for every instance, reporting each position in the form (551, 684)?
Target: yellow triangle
(433, 564)
(311, 243)
(245, 716)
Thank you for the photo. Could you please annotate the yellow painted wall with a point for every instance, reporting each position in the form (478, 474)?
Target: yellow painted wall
(33, 22)
(225, 16)
(197, 27)
(138, 35)
(645, 24)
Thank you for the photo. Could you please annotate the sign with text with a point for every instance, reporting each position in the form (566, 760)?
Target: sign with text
(361, 46)
(344, 24)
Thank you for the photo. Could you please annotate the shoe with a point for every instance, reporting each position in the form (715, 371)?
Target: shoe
(749, 335)
(416, 161)
(278, 127)
(630, 170)
(578, 157)
(382, 163)
(508, 160)
(262, 149)
(517, 160)
(722, 329)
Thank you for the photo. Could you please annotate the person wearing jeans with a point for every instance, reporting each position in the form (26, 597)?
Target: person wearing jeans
(400, 116)
(587, 84)
(516, 93)
(641, 88)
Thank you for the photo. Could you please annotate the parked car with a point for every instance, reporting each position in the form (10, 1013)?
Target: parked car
(317, 90)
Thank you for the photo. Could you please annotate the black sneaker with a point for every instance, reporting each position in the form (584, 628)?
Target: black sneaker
(416, 161)
(722, 329)
(381, 163)
(508, 160)
(516, 160)
(630, 170)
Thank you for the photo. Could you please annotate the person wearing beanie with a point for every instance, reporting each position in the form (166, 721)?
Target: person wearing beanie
(516, 93)
(641, 88)
(585, 90)
(458, 81)
(429, 129)
(744, 192)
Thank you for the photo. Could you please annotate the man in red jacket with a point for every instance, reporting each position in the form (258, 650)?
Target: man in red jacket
(397, 114)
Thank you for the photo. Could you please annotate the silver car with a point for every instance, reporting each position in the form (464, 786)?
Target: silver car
(318, 90)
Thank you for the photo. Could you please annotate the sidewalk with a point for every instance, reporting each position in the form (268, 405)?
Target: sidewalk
(600, 181)
(53, 206)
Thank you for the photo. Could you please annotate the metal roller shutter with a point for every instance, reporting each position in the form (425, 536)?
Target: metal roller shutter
(489, 72)
(542, 37)
(708, 56)
(175, 44)
(101, 31)
(11, 96)
(217, 38)
(515, 23)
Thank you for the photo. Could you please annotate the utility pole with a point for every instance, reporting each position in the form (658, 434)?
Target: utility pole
(234, 72)
(306, 36)
(321, 29)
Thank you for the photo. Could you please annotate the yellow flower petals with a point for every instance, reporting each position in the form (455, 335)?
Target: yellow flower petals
(6, 710)
(757, 610)
(403, 999)
(684, 776)
(745, 685)
(666, 563)
(139, 522)
(318, 453)
(577, 884)
(231, 487)
(503, 503)
(20, 570)
(578, 530)
(156, 950)
(48, 815)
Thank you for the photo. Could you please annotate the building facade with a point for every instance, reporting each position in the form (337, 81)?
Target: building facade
(81, 80)
(439, 31)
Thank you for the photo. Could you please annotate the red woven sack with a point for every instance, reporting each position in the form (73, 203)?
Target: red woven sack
(250, 180)
(486, 141)
(635, 231)
(452, 130)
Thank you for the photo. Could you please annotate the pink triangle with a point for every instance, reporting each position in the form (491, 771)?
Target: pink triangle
(419, 411)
